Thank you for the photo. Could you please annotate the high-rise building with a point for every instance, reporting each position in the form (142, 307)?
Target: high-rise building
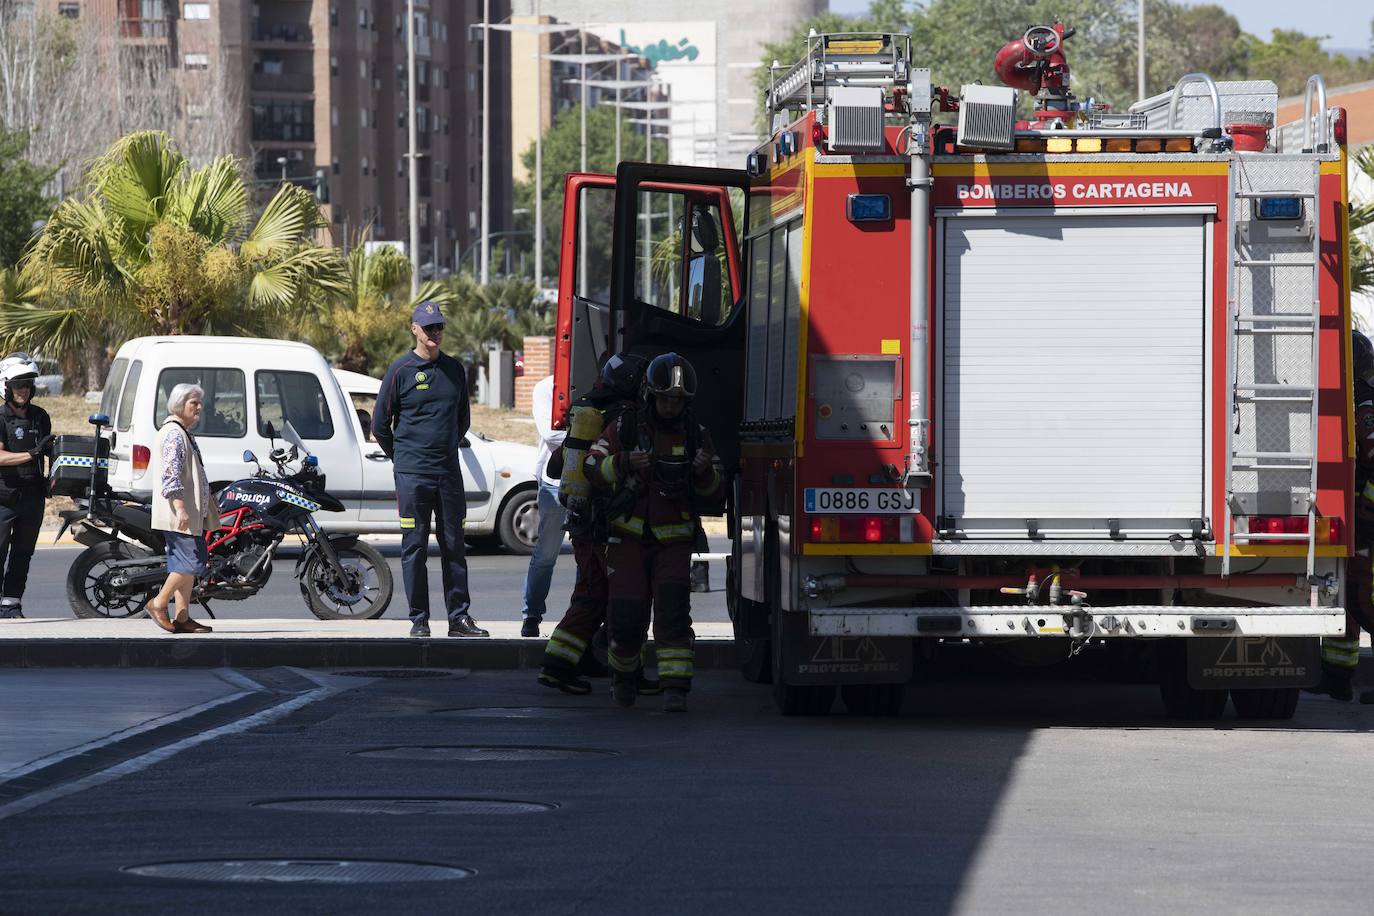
(316, 92)
(706, 52)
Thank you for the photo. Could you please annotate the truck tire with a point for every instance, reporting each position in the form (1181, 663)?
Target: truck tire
(1266, 702)
(518, 524)
(755, 653)
(1181, 699)
(873, 699)
(791, 699)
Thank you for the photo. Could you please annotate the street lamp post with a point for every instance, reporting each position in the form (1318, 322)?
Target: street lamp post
(485, 274)
(414, 172)
(281, 161)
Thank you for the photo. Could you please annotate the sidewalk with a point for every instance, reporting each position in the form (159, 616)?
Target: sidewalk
(266, 642)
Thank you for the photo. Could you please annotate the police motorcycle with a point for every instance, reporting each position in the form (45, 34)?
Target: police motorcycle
(124, 564)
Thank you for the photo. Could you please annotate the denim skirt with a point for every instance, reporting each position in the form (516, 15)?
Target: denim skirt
(186, 553)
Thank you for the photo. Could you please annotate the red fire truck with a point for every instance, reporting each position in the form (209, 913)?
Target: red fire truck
(1002, 368)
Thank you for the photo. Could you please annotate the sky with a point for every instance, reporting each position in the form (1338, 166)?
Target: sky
(1347, 21)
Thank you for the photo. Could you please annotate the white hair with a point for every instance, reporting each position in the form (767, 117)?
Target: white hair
(181, 394)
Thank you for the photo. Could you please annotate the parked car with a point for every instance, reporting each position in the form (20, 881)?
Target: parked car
(50, 381)
(250, 383)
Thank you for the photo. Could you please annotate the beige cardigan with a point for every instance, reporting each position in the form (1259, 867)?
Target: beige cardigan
(192, 478)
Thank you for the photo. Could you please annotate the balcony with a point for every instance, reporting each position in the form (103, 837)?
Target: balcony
(283, 133)
(297, 35)
(144, 28)
(284, 82)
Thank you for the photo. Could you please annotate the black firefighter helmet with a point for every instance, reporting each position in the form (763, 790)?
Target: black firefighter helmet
(1363, 352)
(671, 375)
(620, 378)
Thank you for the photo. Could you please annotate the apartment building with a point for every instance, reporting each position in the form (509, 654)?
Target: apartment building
(316, 91)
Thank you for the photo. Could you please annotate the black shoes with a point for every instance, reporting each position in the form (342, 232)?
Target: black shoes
(10, 607)
(530, 627)
(419, 629)
(464, 625)
(564, 681)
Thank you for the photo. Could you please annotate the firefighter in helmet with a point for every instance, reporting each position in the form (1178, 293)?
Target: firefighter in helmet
(616, 391)
(657, 463)
(27, 432)
(1341, 654)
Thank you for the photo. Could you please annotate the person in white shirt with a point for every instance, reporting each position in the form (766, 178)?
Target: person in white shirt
(552, 514)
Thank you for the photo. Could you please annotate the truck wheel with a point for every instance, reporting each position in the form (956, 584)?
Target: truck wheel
(1266, 702)
(873, 699)
(794, 699)
(518, 524)
(1181, 699)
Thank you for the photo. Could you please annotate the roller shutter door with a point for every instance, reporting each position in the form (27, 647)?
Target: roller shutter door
(1073, 372)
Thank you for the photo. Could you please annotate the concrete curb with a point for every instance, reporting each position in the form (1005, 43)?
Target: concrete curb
(209, 652)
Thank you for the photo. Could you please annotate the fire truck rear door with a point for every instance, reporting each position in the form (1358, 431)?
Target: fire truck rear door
(677, 283)
(584, 287)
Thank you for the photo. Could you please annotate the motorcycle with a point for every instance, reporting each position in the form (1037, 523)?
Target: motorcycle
(124, 564)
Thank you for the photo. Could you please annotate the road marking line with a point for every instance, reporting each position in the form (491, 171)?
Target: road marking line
(133, 730)
(144, 761)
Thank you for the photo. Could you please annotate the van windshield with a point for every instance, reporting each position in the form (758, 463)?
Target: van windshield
(226, 400)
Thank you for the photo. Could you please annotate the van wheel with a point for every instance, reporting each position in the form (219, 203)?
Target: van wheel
(518, 524)
(1266, 702)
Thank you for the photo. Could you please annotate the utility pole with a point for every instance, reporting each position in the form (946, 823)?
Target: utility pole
(414, 173)
(538, 157)
(484, 274)
(1140, 50)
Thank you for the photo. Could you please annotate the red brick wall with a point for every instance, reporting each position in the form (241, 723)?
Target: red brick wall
(538, 366)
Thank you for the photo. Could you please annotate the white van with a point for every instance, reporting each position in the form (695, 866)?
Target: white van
(250, 383)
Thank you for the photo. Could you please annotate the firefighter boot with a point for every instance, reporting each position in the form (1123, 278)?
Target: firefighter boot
(1336, 683)
(559, 678)
(647, 686)
(674, 699)
(623, 688)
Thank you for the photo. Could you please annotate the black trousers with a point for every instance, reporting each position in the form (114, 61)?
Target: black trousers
(21, 518)
(418, 498)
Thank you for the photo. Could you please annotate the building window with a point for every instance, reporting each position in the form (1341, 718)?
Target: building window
(472, 82)
(472, 174)
(333, 116)
(333, 65)
(365, 164)
(336, 167)
(472, 219)
(333, 16)
(362, 17)
(362, 117)
(69, 10)
(421, 73)
(195, 11)
(400, 168)
(196, 61)
(362, 69)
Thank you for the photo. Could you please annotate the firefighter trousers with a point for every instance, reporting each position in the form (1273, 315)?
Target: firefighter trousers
(1343, 652)
(586, 609)
(648, 576)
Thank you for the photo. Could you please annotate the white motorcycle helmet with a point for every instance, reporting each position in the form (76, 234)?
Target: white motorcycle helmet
(14, 367)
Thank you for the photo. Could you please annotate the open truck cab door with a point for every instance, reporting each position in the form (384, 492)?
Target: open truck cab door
(650, 263)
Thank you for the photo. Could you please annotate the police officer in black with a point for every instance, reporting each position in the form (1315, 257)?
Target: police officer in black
(23, 484)
(421, 420)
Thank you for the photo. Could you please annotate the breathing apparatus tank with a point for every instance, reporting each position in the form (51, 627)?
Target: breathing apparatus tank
(584, 428)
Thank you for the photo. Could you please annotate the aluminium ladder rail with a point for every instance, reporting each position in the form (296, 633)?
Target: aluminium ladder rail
(1306, 324)
(873, 59)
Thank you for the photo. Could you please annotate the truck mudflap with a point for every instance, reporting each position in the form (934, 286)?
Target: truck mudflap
(1077, 623)
(1253, 662)
(806, 659)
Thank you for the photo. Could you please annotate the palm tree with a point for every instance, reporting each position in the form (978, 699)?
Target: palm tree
(360, 318)
(1361, 228)
(156, 247)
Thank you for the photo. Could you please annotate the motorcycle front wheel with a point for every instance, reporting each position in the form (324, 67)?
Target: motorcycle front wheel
(362, 593)
(89, 590)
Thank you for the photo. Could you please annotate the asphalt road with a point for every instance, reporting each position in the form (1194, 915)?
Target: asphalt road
(1034, 794)
(496, 580)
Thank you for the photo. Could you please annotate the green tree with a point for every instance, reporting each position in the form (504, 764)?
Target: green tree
(562, 155)
(155, 247)
(1362, 229)
(22, 201)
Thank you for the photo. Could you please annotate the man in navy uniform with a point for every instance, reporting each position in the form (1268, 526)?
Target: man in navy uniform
(421, 419)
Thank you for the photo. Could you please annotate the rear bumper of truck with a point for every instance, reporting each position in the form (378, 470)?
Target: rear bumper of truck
(1151, 621)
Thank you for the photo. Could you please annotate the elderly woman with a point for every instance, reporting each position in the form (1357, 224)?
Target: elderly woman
(182, 509)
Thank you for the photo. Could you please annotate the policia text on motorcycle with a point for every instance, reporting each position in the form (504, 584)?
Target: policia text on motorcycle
(23, 484)
(421, 420)
(657, 462)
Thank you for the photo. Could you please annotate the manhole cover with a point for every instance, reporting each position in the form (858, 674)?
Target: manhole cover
(449, 806)
(517, 712)
(472, 752)
(301, 871)
(395, 672)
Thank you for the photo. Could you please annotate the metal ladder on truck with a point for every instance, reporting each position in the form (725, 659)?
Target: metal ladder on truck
(1300, 180)
(835, 60)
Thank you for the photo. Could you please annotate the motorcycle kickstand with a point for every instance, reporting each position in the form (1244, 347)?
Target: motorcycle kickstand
(205, 606)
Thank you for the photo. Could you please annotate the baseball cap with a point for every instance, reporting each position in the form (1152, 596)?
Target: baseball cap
(427, 313)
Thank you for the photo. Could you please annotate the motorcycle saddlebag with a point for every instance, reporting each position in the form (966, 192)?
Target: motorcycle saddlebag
(73, 458)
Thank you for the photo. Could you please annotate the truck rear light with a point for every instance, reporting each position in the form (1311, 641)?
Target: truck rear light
(1179, 145)
(1338, 128)
(1119, 145)
(1148, 146)
(1335, 530)
(1329, 530)
(863, 529)
(141, 456)
(817, 133)
(825, 528)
